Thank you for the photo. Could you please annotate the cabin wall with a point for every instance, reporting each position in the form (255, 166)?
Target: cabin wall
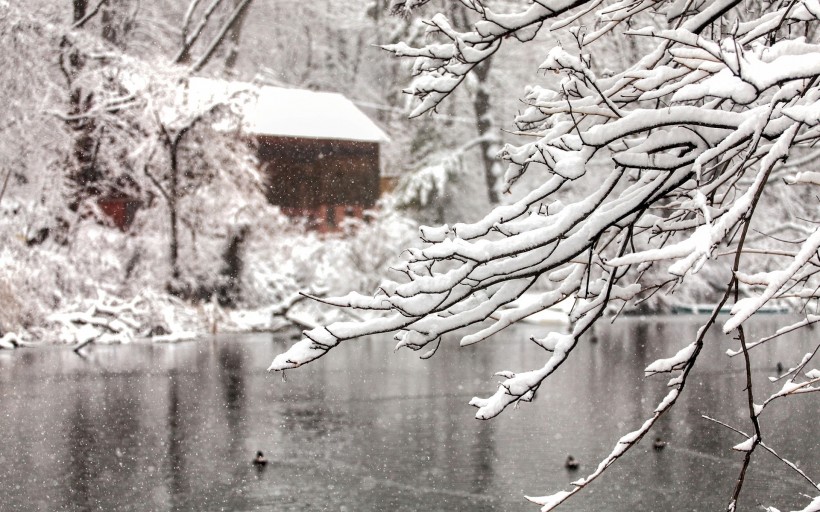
(322, 179)
(121, 210)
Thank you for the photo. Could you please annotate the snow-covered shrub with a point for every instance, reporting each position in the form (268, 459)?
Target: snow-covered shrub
(420, 188)
(368, 247)
(284, 258)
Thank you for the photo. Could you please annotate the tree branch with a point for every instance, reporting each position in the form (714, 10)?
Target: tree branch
(235, 15)
(94, 11)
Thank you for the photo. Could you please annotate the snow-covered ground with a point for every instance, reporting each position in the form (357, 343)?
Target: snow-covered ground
(106, 286)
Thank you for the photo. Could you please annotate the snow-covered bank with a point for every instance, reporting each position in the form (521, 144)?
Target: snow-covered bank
(106, 286)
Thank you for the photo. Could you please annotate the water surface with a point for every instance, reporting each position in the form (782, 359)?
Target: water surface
(174, 427)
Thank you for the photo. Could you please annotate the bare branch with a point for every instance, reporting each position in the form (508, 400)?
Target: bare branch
(184, 54)
(94, 11)
(235, 15)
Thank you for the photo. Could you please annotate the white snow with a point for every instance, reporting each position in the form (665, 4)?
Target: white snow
(675, 362)
(283, 112)
(746, 445)
(814, 506)
(9, 341)
(175, 337)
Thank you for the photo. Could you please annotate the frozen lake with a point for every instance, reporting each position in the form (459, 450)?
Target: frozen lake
(174, 427)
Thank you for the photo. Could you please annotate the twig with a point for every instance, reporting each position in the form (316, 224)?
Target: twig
(742, 338)
(83, 344)
(5, 182)
(768, 449)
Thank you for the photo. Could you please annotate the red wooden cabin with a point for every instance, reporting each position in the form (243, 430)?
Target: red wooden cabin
(318, 151)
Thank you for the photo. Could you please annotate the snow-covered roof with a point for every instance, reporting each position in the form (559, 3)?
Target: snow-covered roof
(284, 112)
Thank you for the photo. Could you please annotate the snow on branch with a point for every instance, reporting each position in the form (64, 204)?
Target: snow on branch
(676, 155)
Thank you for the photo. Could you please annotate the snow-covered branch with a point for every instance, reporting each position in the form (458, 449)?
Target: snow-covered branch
(675, 154)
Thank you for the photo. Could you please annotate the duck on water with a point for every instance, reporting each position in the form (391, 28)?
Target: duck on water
(260, 460)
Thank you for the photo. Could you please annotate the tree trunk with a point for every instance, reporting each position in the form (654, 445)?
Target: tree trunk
(84, 173)
(184, 54)
(485, 128)
(110, 30)
(229, 288)
(190, 37)
(79, 9)
(481, 107)
(236, 14)
(173, 248)
(234, 35)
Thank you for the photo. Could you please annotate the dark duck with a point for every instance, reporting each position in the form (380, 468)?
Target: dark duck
(260, 460)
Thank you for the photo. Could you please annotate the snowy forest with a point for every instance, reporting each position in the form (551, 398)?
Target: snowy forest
(605, 159)
(205, 250)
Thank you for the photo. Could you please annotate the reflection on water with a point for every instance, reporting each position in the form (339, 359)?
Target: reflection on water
(175, 427)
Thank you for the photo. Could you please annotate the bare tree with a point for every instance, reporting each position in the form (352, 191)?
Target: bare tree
(679, 151)
(176, 176)
(229, 30)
